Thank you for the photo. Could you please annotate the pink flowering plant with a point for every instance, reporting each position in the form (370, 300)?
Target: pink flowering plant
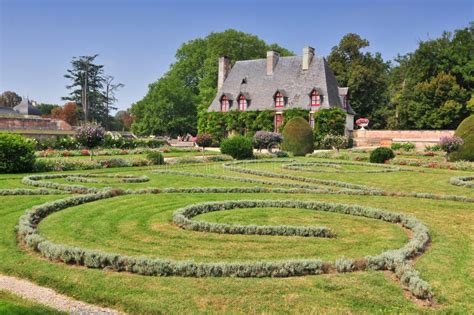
(90, 136)
(450, 144)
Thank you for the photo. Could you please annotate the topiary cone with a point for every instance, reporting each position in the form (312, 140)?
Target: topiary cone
(465, 131)
(298, 137)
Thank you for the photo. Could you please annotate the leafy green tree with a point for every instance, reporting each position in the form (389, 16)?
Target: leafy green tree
(365, 74)
(46, 109)
(328, 121)
(195, 75)
(9, 99)
(432, 87)
(167, 109)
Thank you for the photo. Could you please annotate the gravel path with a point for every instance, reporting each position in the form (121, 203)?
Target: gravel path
(30, 291)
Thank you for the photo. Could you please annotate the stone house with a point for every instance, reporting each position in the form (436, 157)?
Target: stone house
(281, 83)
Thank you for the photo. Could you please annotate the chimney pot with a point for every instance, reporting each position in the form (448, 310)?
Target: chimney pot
(272, 60)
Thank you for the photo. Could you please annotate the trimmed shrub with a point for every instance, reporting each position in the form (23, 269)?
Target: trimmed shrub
(381, 155)
(17, 153)
(263, 139)
(204, 140)
(335, 142)
(298, 137)
(465, 131)
(238, 147)
(155, 157)
(328, 121)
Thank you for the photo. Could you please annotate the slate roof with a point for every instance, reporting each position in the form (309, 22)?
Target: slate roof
(25, 108)
(288, 78)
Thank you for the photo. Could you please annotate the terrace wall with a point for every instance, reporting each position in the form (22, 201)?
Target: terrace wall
(35, 127)
(421, 138)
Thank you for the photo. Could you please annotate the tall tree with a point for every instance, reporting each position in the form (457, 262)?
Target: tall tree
(365, 74)
(87, 87)
(433, 87)
(194, 75)
(110, 89)
(9, 99)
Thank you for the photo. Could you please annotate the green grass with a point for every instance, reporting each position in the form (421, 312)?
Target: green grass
(13, 305)
(141, 225)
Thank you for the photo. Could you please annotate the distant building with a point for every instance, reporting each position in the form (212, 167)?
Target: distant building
(280, 83)
(26, 119)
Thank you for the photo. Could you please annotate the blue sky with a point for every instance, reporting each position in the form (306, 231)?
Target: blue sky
(137, 39)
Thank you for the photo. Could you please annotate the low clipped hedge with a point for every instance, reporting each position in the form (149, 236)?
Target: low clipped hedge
(337, 167)
(465, 181)
(183, 218)
(238, 147)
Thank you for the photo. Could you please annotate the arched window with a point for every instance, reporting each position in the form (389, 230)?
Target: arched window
(315, 99)
(279, 100)
(242, 103)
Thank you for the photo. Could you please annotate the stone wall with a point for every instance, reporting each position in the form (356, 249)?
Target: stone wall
(421, 138)
(33, 123)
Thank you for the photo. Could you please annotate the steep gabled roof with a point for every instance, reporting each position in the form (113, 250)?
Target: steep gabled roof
(25, 108)
(287, 76)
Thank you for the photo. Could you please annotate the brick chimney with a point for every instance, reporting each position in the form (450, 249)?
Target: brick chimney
(224, 69)
(272, 60)
(308, 54)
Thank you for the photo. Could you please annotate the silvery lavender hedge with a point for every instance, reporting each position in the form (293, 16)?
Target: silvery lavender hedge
(183, 218)
(337, 165)
(466, 181)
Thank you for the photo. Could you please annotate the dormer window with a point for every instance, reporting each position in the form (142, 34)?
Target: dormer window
(224, 104)
(242, 103)
(345, 102)
(315, 99)
(279, 100)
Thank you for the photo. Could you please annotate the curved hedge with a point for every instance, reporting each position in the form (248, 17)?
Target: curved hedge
(298, 137)
(183, 218)
(466, 181)
(465, 131)
(337, 165)
(396, 260)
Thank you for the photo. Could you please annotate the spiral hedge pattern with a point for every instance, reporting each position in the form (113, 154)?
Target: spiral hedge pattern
(395, 260)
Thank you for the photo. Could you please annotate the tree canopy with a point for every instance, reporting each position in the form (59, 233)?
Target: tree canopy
(365, 74)
(432, 88)
(9, 99)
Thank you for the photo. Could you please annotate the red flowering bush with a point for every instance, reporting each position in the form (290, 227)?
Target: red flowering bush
(85, 152)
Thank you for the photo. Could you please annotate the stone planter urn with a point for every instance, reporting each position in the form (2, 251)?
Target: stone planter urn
(362, 123)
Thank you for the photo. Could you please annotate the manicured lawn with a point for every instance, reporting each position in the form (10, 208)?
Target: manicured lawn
(142, 225)
(12, 304)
